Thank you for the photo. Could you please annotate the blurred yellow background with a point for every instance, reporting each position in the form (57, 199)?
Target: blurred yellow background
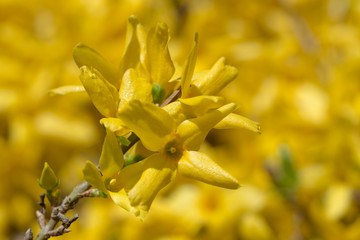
(299, 76)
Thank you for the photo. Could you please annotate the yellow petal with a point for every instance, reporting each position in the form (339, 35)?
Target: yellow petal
(93, 177)
(66, 90)
(134, 87)
(337, 201)
(158, 60)
(149, 122)
(103, 95)
(86, 56)
(141, 34)
(111, 159)
(214, 80)
(131, 56)
(199, 166)
(158, 172)
(176, 111)
(193, 131)
(199, 105)
(115, 125)
(237, 121)
(120, 198)
(189, 68)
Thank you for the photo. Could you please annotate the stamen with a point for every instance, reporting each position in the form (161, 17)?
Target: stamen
(112, 182)
(172, 149)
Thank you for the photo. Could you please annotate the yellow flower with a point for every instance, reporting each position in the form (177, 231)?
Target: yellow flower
(197, 89)
(174, 150)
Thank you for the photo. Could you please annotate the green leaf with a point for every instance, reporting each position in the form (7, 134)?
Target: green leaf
(111, 159)
(48, 179)
(86, 56)
(93, 176)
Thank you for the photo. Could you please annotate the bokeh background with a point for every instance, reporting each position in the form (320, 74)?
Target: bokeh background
(299, 76)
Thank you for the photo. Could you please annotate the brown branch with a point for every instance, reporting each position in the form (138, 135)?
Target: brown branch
(173, 97)
(28, 234)
(58, 214)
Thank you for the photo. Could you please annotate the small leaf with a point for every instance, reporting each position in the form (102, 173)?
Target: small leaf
(86, 56)
(93, 176)
(48, 179)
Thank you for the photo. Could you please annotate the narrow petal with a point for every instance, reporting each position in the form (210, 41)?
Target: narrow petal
(115, 125)
(86, 56)
(66, 90)
(199, 105)
(158, 172)
(134, 87)
(103, 95)
(237, 121)
(216, 79)
(93, 177)
(199, 166)
(131, 55)
(189, 68)
(111, 159)
(193, 131)
(159, 63)
(149, 122)
(141, 34)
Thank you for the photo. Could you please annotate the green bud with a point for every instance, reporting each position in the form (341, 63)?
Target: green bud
(102, 194)
(123, 140)
(158, 93)
(131, 159)
(48, 179)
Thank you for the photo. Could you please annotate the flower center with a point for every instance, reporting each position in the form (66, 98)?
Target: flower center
(173, 149)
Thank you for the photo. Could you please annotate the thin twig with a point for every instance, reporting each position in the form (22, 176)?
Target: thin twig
(58, 214)
(28, 234)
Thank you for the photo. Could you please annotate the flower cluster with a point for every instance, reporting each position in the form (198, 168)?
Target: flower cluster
(169, 108)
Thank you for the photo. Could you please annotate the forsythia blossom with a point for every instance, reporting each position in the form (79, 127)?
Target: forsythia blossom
(134, 98)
